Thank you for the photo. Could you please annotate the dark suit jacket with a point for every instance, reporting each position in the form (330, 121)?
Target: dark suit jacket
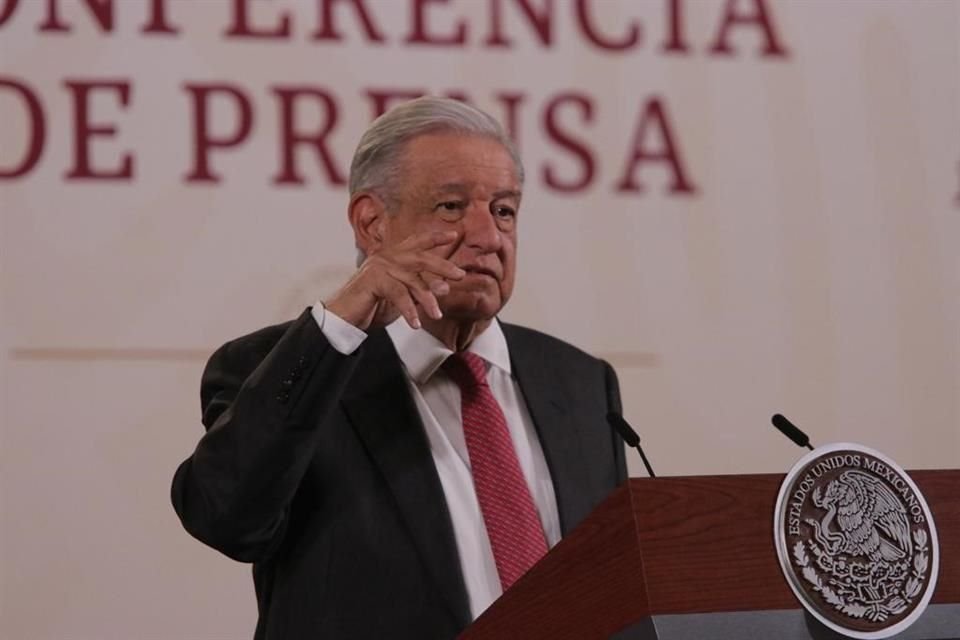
(315, 467)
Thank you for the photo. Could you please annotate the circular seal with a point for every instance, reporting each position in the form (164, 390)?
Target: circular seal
(856, 541)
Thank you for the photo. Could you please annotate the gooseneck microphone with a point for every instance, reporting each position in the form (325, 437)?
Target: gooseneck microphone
(630, 437)
(790, 430)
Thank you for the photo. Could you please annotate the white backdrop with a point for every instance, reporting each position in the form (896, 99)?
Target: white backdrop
(786, 240)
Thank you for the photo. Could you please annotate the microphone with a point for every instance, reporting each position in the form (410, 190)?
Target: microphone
(790, 430)
(630, 437)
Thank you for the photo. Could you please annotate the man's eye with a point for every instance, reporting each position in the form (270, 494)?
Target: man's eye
(451, 205)
(504, 212)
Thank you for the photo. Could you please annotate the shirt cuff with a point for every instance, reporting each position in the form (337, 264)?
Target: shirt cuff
(342, 336)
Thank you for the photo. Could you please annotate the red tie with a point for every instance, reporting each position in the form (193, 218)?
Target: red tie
(509, 513)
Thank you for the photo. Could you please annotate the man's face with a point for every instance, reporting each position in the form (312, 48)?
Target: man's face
(468, 184)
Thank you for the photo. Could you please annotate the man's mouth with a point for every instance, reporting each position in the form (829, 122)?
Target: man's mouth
(483, 271)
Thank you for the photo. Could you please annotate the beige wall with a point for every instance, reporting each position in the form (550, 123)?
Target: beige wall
(814, 271)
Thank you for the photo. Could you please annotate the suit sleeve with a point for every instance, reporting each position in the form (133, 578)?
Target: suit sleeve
(613, 404)
(264, 404)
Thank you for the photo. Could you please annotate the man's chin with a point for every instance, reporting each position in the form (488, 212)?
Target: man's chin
(470, 308)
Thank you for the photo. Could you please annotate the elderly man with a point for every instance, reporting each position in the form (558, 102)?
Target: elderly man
(396, 457)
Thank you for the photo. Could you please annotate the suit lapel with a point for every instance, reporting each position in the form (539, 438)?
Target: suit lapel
(385, 418)
(547, 400)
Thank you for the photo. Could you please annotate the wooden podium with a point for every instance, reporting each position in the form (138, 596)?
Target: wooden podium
(693, 558)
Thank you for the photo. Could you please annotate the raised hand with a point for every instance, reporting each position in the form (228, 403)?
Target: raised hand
(402, 280)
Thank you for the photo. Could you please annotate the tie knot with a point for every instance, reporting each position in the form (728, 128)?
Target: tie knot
(467, 369)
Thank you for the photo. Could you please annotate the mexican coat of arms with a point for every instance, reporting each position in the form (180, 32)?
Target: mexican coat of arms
(856, 541)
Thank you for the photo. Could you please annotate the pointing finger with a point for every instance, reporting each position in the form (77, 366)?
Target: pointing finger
(429, 240)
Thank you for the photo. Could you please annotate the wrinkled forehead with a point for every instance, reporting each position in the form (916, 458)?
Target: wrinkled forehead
(451, 157)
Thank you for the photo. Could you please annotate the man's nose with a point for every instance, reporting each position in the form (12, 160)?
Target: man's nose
(480, 229)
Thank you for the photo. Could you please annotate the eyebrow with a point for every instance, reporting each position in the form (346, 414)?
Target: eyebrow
(451, 186)
(507, 193)
(461, 187)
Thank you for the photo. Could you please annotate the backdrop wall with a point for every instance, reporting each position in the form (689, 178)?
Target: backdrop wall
(747, 206)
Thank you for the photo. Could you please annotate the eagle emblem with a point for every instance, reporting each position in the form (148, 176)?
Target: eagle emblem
(870, 517)
(856, 541)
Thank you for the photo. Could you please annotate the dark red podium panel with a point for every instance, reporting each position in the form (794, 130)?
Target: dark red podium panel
(666, 558)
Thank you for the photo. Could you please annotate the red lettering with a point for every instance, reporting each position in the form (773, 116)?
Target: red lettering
(37, 129)
(759, 18)
(655, 118)
(457, 94)
(203, 140)
(576, 147)
(8, 8)
(675, 42)
(102, 11)
(631, 38)
(158, 19)
(327, 31)
(419, 34)
(540, 21)
(290, 137)
(242, 28)
(381, 99)
(84, 130)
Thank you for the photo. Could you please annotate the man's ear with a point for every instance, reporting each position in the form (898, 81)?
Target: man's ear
(367, 214)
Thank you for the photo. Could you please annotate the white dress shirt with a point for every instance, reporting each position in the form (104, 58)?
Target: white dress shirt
(437, 399)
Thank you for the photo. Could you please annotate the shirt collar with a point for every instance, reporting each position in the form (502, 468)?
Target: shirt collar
(422, 354)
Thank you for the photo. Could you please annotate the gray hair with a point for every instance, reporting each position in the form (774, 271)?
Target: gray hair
(376, 163)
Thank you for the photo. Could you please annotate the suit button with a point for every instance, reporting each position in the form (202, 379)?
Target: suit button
(288, 382)
(283, 397)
